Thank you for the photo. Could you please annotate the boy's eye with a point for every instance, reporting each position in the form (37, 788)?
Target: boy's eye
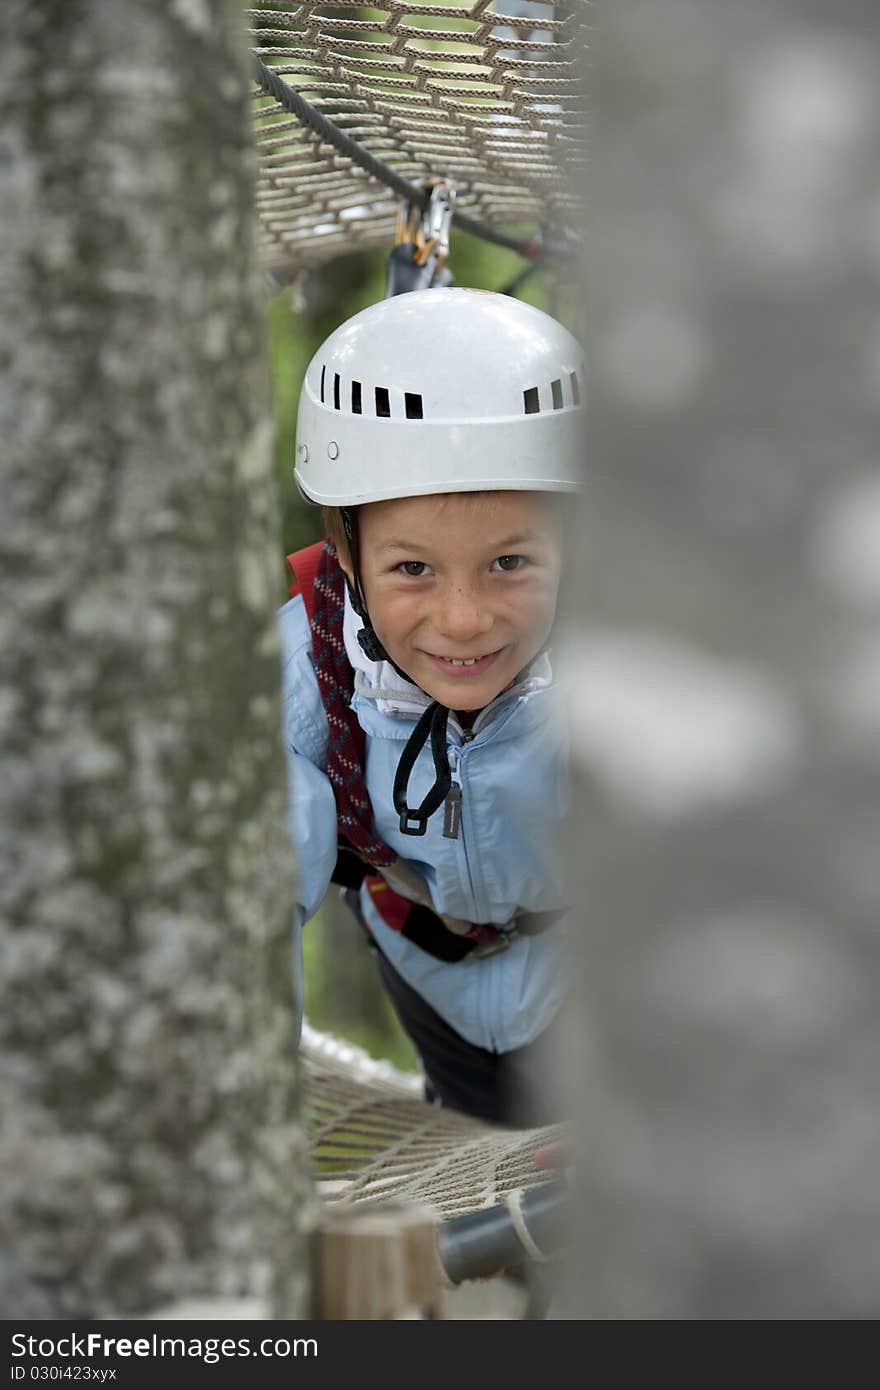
(418, 569)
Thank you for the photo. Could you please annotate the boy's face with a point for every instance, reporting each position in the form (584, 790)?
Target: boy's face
(461, 576)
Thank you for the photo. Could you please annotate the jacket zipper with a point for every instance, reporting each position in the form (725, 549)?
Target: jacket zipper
(452, 804)
(453, 812)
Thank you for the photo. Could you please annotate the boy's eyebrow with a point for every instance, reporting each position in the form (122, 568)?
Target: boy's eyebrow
(395, 544)
(522, 538)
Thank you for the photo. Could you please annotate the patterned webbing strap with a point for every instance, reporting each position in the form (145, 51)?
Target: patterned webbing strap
(319, 578)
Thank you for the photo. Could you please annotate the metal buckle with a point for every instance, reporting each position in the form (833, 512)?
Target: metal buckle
(492, 948)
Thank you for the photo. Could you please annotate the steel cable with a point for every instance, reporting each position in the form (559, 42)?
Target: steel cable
(528, 247)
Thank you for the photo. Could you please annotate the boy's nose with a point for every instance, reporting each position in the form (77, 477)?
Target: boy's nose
(461, 615)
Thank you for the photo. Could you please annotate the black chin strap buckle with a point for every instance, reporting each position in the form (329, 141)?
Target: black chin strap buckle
(431, 725)
(412, 822)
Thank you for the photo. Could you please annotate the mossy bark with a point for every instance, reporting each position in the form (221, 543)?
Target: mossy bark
(151, 1125)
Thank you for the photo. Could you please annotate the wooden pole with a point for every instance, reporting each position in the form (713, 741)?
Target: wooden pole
(376, 1262)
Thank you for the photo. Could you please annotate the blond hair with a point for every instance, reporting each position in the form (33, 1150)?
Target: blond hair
(334, 527)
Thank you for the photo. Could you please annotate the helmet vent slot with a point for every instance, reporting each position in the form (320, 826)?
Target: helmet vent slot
(556, 393)
(355, 398)
(413, 405)
(383, 403)
(531, 401)
(335, 390)
(323, 374)
(575, 389)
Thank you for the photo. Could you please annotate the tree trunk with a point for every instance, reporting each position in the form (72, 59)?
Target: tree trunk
(726, 711)
(151, 1140)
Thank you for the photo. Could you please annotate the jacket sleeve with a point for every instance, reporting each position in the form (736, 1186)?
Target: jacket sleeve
(310, 801)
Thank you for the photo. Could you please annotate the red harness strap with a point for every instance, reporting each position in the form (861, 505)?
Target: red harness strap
(303, 566)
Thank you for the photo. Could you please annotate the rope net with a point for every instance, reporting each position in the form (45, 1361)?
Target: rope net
(373, 1137)
(489, 99)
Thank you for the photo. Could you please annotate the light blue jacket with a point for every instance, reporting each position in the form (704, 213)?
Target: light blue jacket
(508, 858)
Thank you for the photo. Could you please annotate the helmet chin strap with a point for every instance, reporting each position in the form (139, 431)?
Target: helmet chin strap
(432, 723)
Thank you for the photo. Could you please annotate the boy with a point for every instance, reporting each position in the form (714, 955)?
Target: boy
(437, 430)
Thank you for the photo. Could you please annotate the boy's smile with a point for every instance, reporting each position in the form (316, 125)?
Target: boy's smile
(461, 587)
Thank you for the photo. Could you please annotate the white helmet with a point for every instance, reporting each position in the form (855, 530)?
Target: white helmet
(441, 390)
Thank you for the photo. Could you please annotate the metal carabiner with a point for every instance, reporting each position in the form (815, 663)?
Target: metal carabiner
(433, 234)
(417, 260)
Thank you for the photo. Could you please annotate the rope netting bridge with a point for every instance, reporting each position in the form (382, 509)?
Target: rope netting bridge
(373, 1137)
(353, 104)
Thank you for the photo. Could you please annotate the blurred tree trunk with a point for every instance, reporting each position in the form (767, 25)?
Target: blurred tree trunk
(151, 1145)
(727, 667)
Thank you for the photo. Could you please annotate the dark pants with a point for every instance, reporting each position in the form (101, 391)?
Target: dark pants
(511, 1088)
